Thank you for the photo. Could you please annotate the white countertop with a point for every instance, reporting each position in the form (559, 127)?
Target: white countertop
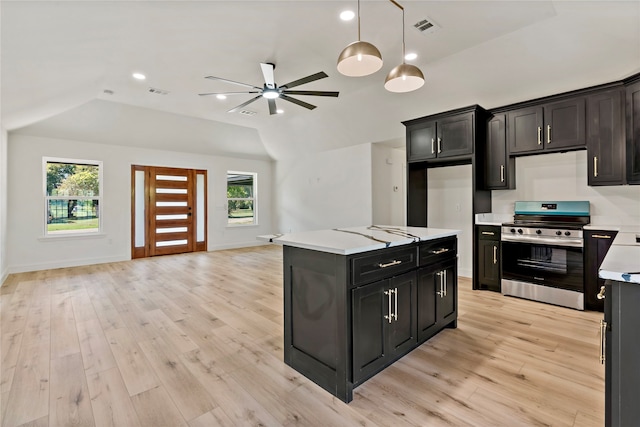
(353, 240)
(622, 262)
(492, 219)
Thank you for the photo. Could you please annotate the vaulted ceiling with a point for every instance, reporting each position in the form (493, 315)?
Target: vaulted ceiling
(66, 66)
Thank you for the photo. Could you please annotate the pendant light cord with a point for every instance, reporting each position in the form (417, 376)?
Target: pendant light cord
(358, 20)
(402, 9)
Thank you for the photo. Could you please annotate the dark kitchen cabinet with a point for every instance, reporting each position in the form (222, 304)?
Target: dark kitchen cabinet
(621, 353)
(488, 257)
(421, 141)
(554, 126)
(437, 298)
(596, 246)
(384, 323)
(633, 131)
(499, 171)
(605, 138)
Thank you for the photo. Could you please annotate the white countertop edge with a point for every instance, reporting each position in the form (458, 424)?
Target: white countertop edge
(620, 277)
(602, 227)
(494, 223)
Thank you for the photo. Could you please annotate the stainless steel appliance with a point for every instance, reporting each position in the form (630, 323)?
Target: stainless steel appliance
(542, 252)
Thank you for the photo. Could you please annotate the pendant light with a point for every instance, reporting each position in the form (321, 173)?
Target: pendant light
(404, 77)
(359, 58)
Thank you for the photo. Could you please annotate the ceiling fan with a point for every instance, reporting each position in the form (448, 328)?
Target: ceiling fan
(271, 91)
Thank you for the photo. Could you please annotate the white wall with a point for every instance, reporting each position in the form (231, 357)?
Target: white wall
(450, 206)
(388, 185)
(329, 189)
(30, 251)
(3, 205)
(563, 176)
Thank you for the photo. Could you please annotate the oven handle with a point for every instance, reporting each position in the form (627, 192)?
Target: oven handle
(573, 243)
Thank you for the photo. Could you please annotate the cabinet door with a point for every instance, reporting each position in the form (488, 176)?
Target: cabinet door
(605, 142)
(455, 136)
(496, 164)
(371, 308)
(447, 298)
(596, 246)
(524, 129)
(633, 133)
(426, 303)
(421, 141)
(402, 331)
(564, 124)
(489, 264)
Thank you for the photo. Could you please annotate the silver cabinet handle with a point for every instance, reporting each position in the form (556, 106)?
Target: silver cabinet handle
(495, 255)
(439, 274)
(501, 173)
(488, 233)
(440, 251)
(390, 264)
(601, 236)
(548, 134)
(539, 135)
(439, 145)
(390, 315)
(432, 150)
(601, 293)
(444, 283)
(603, 341)
(595, 166)
(395, 310)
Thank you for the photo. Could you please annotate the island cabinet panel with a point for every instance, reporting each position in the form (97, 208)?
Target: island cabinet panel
(347, 317)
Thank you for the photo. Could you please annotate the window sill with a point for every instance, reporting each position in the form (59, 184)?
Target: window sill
(72, 236)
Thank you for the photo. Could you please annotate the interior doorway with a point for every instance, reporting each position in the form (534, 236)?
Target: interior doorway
(168, 211)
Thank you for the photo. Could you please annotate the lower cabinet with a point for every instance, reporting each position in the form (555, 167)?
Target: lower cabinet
(488, 256)
(384, 323)
(437, 298)
(596, 246)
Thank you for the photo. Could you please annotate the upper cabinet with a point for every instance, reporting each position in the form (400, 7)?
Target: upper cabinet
(442, 137)
(499, 167)
(605, 137)
(633, 131)
(556, 126)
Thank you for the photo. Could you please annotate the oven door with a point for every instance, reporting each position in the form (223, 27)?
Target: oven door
(543, 264)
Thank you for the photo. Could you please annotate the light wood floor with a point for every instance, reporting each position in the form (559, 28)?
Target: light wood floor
(196, 340)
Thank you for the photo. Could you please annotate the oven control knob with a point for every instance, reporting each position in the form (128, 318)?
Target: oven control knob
(558, 233)
(513, 230)
(519, 230)
(538, 231)
(567, 233)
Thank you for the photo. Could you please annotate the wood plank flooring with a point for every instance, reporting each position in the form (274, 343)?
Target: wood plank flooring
(196, 340)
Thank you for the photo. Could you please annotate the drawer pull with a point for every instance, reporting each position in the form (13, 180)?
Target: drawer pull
(440, 251)
(601, 236)
(390, 264)
(601, 293)
(488, 233)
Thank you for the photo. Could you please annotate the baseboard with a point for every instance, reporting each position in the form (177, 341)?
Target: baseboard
(465, 273)
(236, 245)
(3, 277)
(64, 264)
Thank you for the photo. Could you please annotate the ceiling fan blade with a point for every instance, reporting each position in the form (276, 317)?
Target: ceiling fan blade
(232, 82)
(308, 79)
(311, 92)
(244, 104)
(227, 93)
(297, 101)
(267, 72)
(272, 106)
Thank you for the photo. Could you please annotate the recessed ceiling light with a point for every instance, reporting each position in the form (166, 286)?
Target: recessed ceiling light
(221, 96)
(410, 56)
(139, 76)
(279, 111)
(347, 15)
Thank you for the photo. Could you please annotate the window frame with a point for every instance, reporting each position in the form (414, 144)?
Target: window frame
(253, 199)
(46, 198)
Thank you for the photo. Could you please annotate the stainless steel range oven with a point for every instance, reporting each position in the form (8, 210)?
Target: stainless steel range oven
(543, 252)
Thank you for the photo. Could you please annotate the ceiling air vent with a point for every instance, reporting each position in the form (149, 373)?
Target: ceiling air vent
(247, 112)
(426, 26)
(158, 91)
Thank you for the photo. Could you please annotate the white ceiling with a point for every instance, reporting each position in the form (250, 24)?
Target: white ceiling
(58, 58)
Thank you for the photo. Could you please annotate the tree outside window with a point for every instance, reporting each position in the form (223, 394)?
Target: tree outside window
(241, 198)
(72, 198)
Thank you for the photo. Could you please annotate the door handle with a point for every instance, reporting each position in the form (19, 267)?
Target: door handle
(395, 310)
(432, 142)
(390, 315)
(495, 255)
(601, 293)
(548, 134)
(539, 135)
(444, 284)
(595, 166)
(439, 274)
(439, 145)
(603, 341)
(501, 173)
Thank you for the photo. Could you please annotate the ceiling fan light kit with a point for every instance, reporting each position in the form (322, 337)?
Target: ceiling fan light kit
(361, 58)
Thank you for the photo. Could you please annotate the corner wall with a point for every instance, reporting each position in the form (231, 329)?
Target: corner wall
(388, 185)
(30, 251)
(3, 206)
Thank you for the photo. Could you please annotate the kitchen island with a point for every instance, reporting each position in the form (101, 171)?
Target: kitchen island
(357, 299)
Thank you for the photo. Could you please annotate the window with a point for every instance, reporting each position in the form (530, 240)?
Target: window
(73, 190)
(241, 198)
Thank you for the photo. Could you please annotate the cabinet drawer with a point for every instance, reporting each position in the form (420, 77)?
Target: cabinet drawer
(380, 265)
(437, 250)
(488, 232)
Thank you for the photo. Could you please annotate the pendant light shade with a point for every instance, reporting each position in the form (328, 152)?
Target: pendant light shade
(404, 78)
(359, 59)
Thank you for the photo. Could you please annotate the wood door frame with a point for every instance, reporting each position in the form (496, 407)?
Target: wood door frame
(145, 251)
